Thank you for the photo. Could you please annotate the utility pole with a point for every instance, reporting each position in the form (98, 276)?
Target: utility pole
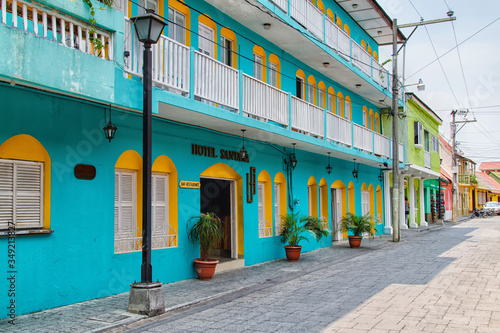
(454, 189)
(454, 163)
(395, 135)
(396, 224)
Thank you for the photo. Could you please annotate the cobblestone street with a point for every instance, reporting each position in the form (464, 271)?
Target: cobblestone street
(446, 280)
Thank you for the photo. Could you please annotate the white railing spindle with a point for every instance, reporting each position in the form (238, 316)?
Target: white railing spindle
(4, 11)
(45, 24)
(14, 13)
(35, 21)
(25, 17)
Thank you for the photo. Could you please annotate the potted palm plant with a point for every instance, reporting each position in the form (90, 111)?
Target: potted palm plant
(292, 232)
(206, 231)
(358, 225)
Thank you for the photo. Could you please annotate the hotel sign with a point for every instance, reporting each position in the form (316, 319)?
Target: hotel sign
(223, 154)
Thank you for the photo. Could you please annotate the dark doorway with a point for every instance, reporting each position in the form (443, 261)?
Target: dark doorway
(215, 197)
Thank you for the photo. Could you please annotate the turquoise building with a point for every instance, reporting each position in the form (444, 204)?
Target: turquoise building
(299, 77)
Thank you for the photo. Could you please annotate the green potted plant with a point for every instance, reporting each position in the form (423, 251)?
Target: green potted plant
(358, 225)
(206, 231)
(292, 232)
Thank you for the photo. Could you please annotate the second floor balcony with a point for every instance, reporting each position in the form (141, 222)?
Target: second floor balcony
(192, 74)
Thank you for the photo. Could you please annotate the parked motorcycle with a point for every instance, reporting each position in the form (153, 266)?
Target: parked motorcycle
(478, 213)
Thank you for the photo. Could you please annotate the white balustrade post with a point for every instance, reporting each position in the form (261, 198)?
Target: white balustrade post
(14, 13)
(35, 21)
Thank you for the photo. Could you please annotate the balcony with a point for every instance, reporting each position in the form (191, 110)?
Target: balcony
(238, 94)
(301, 23)
(464, 179)
(55, 26)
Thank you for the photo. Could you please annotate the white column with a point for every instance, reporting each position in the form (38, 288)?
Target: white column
(402, 217)
(413, 202)
(423, 223)
(387, 203)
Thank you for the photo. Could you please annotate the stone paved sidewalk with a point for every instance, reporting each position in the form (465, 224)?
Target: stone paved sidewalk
(109, 312)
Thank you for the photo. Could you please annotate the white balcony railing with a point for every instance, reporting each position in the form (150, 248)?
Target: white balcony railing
(298, 10)
(170, 60)
(382, 145)
(307, 117)
(427, 159)
(338, 129)
(331, 34)
(282, 4)
(344, 45)
(362, 138)
(361, 58)
(215, 81)
(314, 20)
(264, 101)
(55, 26)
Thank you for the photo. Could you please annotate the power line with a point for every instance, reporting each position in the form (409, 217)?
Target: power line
(474, 34)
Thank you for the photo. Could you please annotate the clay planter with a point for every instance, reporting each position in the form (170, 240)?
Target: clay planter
(205, 269)
(355, 241)
(293, 252)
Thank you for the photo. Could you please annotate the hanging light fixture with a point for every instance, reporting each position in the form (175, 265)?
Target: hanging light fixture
(355, 171)
(110, 128)
(381, 176)
(293, 159)
(329, 167)
(243, 151)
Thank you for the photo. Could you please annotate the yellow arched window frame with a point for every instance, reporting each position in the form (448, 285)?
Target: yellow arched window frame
(273, 59)
(300, 74)
(280, 200)
(348, 103)
(352, 198)
(323, 190)
(131, 160)
(24, 147)
(371, 120)
(369, 50)
(164, 164)
(265, 179)
(181, 8)
(339, 22)
(321, 6)
(375, 55)
(322, 94)
(340, 104)
(312, 194)
(230, 35)
(332, 102)
(346, 29)
(372, 200)
(207, 20)
(377, 122)
(380, 209)
(312, 89)
(258, 50)
(363, 44)
(365, 116)
(330, 14)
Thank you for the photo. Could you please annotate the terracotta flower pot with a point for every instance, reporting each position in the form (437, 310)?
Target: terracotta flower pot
(355, 241)
(293, 252)
(205, 269)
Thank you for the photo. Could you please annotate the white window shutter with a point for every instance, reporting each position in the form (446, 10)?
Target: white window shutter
(262, 216)
(347, 110)
(125, 211)
(6, 194)
(339, 106)
(364, 119)
(277, 213)
(160, 225)
(28, 203)
(257, 67)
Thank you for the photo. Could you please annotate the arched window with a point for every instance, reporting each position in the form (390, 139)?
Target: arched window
(340, 104)
(377, 122)
(280, 201)
(322, 95)
(380, 209)
(274, 71)
(265, 203)
(365, 116)
(375, 55)
(370, 119)
(351, 198)
(320, 6)
(363, 44)
(323, 203)
(346, 29)
(259, 63)
(128, 188)
(180, 22)
(229, 48)
(348, 108)
(339, 22)
(329, 13)
(25, 170)
(331, 100)
(312, 195)
(207, 35)
(311, 90)
(369, 50)
(300, 84)
(365, 200)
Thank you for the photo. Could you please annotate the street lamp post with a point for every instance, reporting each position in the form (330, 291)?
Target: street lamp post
(146, 297)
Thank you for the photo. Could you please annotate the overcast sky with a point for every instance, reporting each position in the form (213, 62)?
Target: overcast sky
(477, 87)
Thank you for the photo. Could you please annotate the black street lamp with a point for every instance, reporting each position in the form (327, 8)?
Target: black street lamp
(148, 28)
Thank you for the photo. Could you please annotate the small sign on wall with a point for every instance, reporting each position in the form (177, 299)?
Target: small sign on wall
(189, 184)
(85, 171)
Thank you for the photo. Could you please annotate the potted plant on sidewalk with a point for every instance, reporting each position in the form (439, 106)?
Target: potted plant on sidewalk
(358, 225)
(206, 231)
(292, 232)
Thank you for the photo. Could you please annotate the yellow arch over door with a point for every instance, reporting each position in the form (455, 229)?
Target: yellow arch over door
(164, 164)
(222, 170)
(312, 186)
(339, 184)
